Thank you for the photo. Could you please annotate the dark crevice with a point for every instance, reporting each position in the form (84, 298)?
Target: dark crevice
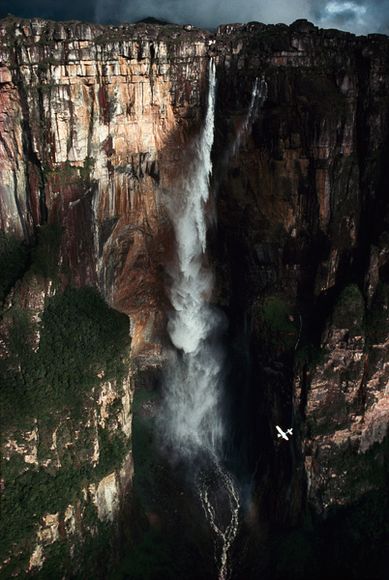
(27, 135)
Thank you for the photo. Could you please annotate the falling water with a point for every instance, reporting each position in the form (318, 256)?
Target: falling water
(192, 421)
(258, 96)
(192, 401)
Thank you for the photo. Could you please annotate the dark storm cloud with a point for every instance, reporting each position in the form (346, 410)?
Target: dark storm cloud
(51, 9)
(206, 12)
(359, 16)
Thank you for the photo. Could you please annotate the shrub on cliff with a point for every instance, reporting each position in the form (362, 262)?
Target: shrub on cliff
(53, 387)
(13, 261)
(80, 336)
(44, 255)
(279, 327)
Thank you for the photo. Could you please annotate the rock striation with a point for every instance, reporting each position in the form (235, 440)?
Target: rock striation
(96, 125)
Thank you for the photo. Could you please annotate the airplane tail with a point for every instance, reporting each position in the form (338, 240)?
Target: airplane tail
(290, 431)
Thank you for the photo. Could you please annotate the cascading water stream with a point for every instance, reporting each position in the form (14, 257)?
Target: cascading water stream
(192, 391)
(192, 418)
(219, 495)
(258, 96)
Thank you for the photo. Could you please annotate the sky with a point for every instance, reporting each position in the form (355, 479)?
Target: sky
(358, 16)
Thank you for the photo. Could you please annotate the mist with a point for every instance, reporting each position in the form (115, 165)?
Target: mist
(191, 415)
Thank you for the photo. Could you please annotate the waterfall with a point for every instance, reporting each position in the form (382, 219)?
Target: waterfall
(192, 409)
(192, 393)
(258, 97)
(191, 416)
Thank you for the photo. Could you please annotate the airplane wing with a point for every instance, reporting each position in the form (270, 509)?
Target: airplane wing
(281, 433)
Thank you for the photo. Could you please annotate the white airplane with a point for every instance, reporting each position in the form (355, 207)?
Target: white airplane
(282, 433)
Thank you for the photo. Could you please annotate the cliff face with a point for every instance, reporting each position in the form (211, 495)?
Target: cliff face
(303, 220)
(302, 254)
(95, 131)
(92, 127)
(67, 387)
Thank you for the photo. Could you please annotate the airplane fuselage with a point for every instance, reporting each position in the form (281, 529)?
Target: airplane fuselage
(284, 434)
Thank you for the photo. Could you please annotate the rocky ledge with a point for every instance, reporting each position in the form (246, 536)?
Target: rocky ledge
(96, 128)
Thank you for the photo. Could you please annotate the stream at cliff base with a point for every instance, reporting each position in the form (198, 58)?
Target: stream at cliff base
(220, 501)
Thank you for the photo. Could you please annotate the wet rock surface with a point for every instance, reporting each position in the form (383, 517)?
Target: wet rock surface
(95, 128)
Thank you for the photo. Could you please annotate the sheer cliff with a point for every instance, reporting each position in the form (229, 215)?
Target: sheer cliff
(96, 128)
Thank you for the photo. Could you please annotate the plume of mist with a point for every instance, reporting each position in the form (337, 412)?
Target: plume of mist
(192, 410)
(191, 418)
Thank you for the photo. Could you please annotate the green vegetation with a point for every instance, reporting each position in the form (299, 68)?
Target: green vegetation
(295, 556)
(83, 342)
(57, 561)
(355, 538)
(19, 333)
(377, 323)
(13, 262)
(86, 169)
(94, 555)
(66, 173)
(158, 549)
(144, 448)
(152, 559)
(268, 39)
(279, 325)
(349, 309)
(351, 542)
(15, 257)
(113, 448)
(80, 336)
(90, 557)
(44, 255)
(63, 174)
(350, 298)
(308, 354)
(31, 494)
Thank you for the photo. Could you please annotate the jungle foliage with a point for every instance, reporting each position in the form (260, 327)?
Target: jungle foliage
(80, 336)
(83, 342)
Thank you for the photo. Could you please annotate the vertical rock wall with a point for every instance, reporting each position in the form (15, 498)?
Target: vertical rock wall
(95, 127)
(302, 253)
